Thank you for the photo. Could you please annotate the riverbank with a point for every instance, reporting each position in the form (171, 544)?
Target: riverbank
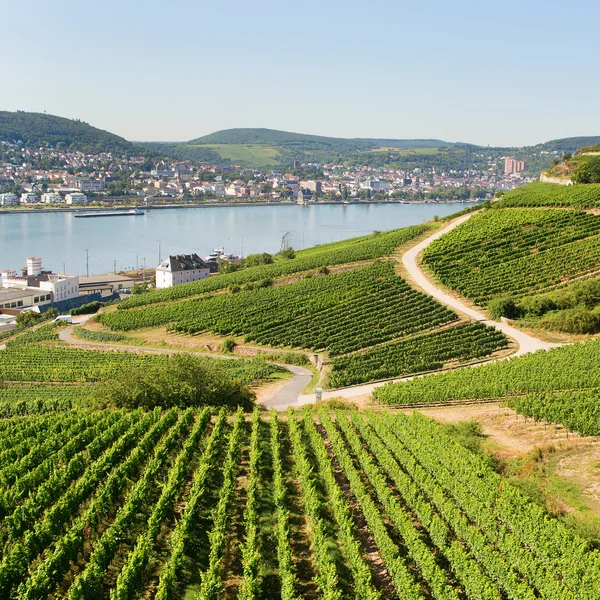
(72, 209)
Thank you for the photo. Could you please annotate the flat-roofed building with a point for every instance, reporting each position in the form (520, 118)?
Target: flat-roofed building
(23, 298)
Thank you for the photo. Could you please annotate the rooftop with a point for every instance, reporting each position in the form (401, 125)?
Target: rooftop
(10, 294)
(183, 262)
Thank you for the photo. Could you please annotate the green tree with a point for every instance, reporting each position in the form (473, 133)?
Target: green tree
(183, 381)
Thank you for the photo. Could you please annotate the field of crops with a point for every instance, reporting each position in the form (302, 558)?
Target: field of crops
(417, 354)
(559, 386)
(181, 505)
(552, 194)
(367, 309)
(356, 249)
(516, 251)
(340, 312)
(24, 399)
(35, 363)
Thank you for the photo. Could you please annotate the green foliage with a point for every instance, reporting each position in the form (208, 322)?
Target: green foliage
(184, 382)
(87, 309)
(515, 252)
(253, 260)
(438, 516)
(503, 306)
(98, 336)
(139, 288)
(587, 171)
(28, 318)
(578, 320)
(287, 253)
(37, 129)
(228, 345)
(34, 363)
(417, 354)
(40, 334)
(551, 195)
(573, 368)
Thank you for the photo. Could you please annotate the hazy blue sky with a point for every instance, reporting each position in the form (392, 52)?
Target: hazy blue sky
(500, 73)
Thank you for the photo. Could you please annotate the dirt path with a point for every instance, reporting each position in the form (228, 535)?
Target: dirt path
(527, 343)
(280, 398)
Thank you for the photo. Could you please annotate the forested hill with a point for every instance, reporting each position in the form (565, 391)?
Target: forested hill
(569, 144)
(275, 137)
(39, 129)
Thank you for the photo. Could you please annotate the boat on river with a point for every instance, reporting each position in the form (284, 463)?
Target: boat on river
(134, 212)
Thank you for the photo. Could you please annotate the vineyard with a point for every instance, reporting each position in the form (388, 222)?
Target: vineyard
(552, 195)
(516, 251)
(356, 249)
(34, 363)
(558, 386)
(341, 312)
(417, 354)
(181, 504)
(367, 309)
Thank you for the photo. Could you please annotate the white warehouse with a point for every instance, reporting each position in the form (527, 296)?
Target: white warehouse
(181, 268)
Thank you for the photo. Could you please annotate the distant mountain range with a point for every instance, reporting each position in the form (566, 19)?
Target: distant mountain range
(258, 147)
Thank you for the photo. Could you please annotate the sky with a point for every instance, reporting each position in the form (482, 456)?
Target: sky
(498, 73)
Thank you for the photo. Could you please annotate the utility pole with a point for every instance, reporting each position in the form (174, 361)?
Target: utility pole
(87, 262)
(144, 270)
(242, 256)
(137, 266)
(159, 254)
(114, 267)
(64, 268)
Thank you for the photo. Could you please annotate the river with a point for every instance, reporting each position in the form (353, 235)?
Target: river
(62, 241)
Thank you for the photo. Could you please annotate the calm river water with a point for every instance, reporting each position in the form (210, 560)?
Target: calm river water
(62, 240)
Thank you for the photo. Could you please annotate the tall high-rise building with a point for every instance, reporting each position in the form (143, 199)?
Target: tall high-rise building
(511, 165)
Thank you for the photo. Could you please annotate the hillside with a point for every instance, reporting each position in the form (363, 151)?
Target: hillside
(275, 137)
(260, 147)
(534, 256)
(570, 144)
(183, 498)
(40, 129)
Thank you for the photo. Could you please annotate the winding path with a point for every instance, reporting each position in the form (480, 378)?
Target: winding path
(291, 393)
(526, 343)
(288, 395)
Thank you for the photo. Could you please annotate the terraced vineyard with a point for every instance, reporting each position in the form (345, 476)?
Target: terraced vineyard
(558, 386)
(356, 249)
(417, 354)
(34, 363)
(516, 251)
(179, 504)
(341, 312)
(552, 195)
(367, 309)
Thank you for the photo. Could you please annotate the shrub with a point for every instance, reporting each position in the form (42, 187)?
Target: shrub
(87, 309)
(573, 320)
(228, 345)
(183, 381)
(504, 306)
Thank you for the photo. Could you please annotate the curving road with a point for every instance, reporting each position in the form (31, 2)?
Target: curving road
(288, 395)
(527, 343)
(291, 393)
